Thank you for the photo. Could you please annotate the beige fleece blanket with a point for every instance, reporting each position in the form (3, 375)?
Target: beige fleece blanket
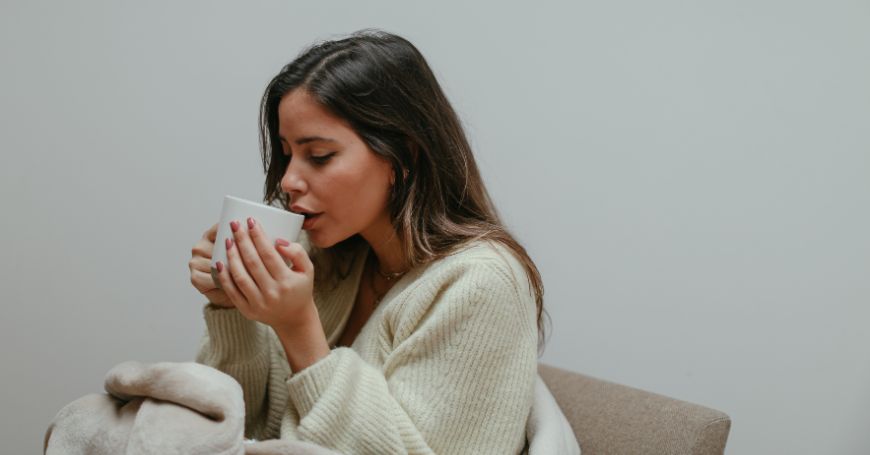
(188, 408)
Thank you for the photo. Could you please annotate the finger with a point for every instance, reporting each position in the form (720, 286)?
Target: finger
(203, 281)
(251, 258)
(296, 253)
(242, 280)
(229, 287)
(203, 264)
(272, 260)
(202, 249)
(202, 275)
(211, 233)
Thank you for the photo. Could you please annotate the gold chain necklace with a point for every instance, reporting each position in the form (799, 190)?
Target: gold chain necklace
(388, 276)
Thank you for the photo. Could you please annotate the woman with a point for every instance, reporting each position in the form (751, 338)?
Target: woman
(410, 319)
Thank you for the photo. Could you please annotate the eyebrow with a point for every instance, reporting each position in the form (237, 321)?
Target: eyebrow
(307, 139)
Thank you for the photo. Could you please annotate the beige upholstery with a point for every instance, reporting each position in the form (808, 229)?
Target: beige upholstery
(609, 418)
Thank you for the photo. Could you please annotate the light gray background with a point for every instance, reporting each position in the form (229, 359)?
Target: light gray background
(690, 177)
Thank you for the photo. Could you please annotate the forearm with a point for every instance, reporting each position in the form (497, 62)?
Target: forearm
(231, 338)
(304, 341)
(242, 349)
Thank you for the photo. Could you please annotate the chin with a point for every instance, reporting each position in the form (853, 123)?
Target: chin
(316, 240)
(321, 241)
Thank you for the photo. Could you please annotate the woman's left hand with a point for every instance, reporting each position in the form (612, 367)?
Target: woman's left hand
(259, 282)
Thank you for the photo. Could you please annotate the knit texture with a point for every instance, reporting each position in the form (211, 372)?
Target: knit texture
(445, 364)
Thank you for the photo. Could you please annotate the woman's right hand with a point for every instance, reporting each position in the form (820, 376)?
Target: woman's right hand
(200, 270)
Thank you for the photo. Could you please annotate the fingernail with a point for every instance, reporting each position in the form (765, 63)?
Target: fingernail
(282, 242)
(250, 223)
(234, 225)
(220, 266)
(229, 243)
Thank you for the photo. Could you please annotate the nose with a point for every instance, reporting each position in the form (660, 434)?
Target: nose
(293, 182)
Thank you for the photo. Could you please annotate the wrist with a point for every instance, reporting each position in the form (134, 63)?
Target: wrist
(303, 340)
(221, 306)
(303, 321)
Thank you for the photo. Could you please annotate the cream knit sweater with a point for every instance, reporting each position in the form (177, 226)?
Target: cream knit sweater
(445, 364)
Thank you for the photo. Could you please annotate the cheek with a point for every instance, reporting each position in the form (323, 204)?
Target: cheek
(361, 196)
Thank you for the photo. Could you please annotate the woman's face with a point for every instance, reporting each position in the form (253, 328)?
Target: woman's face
(331, 172)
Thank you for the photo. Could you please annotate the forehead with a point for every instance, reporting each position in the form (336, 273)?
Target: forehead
(299, 114)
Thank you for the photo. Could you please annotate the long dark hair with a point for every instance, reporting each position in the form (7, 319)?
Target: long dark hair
(382, 86)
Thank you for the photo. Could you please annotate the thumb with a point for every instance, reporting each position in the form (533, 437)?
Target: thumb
(296, 254)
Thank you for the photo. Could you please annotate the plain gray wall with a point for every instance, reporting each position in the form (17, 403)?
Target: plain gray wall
(692, 179)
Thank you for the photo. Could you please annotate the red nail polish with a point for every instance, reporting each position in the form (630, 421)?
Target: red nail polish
(229, 243)
(234, 225)
(220, 266)
(250, 223)
(282, 242)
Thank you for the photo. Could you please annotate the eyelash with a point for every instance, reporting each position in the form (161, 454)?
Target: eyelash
(318, 160)
(322, 159)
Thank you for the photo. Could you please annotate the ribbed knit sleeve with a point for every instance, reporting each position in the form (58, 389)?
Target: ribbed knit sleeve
(457, 377)
(246, 350)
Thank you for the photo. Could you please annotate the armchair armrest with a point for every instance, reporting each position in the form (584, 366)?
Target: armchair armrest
(613, 418)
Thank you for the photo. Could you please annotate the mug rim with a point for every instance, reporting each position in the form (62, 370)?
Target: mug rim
(261, 205)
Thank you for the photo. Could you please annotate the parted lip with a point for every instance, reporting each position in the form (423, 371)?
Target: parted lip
(302, 210)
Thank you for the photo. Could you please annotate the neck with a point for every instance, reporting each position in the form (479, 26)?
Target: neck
(386, 247)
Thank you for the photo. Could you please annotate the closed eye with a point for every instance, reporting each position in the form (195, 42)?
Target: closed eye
(322, 159)
(318, 160)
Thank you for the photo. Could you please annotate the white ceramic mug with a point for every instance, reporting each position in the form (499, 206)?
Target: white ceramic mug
(275, 222)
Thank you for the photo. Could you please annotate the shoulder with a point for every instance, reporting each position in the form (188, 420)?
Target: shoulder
(484, 273)
(482, 264)
(482, 285)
